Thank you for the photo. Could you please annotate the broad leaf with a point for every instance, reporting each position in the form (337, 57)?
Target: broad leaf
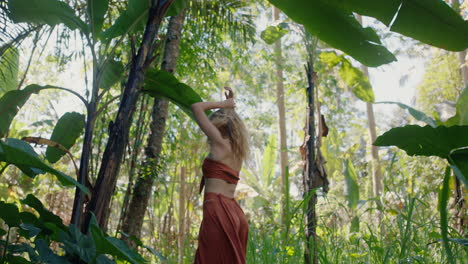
(176, 7)
(338, 28)
(17, 156)
(10, 214)
(130, 19)
(425, 141)
(418, 115)
(29, 171)
(159, 83)
(273, 33)
(112, 72)
(458, 159)
(96, 9)
(352, 76)
(68, 129)
(352, 188)
(44, 214)
(9, 62)
(11, 102)
(50, 12)
(433, 22)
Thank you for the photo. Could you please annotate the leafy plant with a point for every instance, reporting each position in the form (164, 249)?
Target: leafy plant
(41, 228)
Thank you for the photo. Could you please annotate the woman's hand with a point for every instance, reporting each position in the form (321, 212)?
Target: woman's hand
(230, 94)
(229, 103)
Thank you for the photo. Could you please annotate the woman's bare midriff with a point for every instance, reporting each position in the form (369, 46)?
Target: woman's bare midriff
(220, 186)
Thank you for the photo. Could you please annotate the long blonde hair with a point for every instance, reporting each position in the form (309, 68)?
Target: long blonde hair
(232, 127)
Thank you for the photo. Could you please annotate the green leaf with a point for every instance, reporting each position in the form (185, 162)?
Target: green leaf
(458, 159)
(112, 72)
(273, 33)
(425, 141)
(268, 161)
(96, 9)
(9, 70)
(10, 214)
(29, 171)
(17, 156)
(352, 76)
(462, 107)
(176, 7)
(31, 230)
(352, 188)
(12, 259)
(338, 28)
(11, 102)
(44, 214)
(46, 255)
(134, 17)
(418, 115)
(69, 127)
(111, 245)
(159, 83)
(50, 12)
(433, 22)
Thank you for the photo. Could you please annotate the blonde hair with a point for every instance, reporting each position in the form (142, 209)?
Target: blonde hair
(232, 127)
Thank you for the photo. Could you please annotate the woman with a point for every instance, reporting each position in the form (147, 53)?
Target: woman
(224, 229)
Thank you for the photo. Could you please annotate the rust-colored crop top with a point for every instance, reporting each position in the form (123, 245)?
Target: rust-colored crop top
(215, 169)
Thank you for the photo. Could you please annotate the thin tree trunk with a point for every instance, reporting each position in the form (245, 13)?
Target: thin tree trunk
(310, 252)
(133, 221)
(182, 192)
(281, 120)
(119, 130)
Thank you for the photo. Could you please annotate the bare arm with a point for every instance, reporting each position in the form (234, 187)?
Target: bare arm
(204, 123)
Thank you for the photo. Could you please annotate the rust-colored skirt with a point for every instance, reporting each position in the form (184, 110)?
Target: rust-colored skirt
(223, 232)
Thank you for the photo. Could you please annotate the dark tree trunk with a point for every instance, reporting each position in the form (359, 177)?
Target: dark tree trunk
(133, 220)
(119, 130)
(310, 181)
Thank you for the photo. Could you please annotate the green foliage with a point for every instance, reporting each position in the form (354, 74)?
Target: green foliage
(458, 159)
(418, 115)
(11, 102)
(9, 62)
(112, 72)
(159, 83)
(50, 12)
(352, 188)
(273, 33)
(69, 127)
(132, 18)
(441, 81)
(352, 76)
(94, 248)
(446, 142)
(333, 25)
(432, 22)
(425, 141)
(176, 7)
(13, 152)
(96, 10)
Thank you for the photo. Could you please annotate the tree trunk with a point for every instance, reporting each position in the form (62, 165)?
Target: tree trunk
(133, 221)
(281, 120)
(181, 237)
(310, 252)
(376, 172)
(119, 130)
